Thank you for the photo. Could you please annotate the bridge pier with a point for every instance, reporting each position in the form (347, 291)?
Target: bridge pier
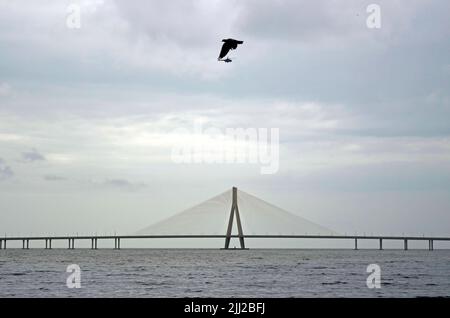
(356, 244)
(381, 244)
(71, 243)
(48, 244)
(23, 244)
(28, 244)
(4, 244)
(93, 243)
(430, 245)
(1, 244)
(405, 244)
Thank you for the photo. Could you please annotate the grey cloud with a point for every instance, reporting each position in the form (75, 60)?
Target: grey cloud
(5, 171)
(312, 21)
(189, 24)
(32, 156)
(384, 76)
(5, 89)
(124, 184)
(192, 24)
(304, 20)
(50, 177)
(391, 176)
(410, 46)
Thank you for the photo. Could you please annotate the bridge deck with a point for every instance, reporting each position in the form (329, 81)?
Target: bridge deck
(359, 237)
(117, 238)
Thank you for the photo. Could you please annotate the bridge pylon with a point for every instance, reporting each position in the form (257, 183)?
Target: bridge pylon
(234, 210)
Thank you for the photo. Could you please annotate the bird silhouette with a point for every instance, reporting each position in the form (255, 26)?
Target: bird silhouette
(228, 44)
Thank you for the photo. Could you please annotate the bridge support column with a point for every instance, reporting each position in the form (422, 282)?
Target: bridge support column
(46, 244)
(381, 244)
(92, 243)
(430, 245)
(95, 245)
(356, 244)
(50, 243)
(234, 210)
(71, 243)
(28, 244)
(4, 244)
(23, 244)
(405, 244)
(117, 243)
(1, 244)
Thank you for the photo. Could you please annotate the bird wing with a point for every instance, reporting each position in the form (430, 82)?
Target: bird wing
(226, 47)
(235, 43)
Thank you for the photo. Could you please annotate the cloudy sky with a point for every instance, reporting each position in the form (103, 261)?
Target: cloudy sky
(87, 116)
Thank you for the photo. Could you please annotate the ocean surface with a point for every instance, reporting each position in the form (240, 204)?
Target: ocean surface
(217, 273)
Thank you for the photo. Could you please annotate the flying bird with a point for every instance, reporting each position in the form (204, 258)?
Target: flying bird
(228, 44)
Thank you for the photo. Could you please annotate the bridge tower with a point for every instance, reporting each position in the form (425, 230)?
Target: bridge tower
(234, 210)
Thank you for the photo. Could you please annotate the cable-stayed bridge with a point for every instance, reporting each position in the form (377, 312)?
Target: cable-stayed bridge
(233, 211)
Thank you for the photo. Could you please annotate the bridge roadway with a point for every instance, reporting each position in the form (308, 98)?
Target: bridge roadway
(117, 239)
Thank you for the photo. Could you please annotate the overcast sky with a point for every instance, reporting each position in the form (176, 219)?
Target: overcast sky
(87, 115)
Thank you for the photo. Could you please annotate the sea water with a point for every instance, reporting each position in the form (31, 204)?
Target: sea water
(218, 273)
